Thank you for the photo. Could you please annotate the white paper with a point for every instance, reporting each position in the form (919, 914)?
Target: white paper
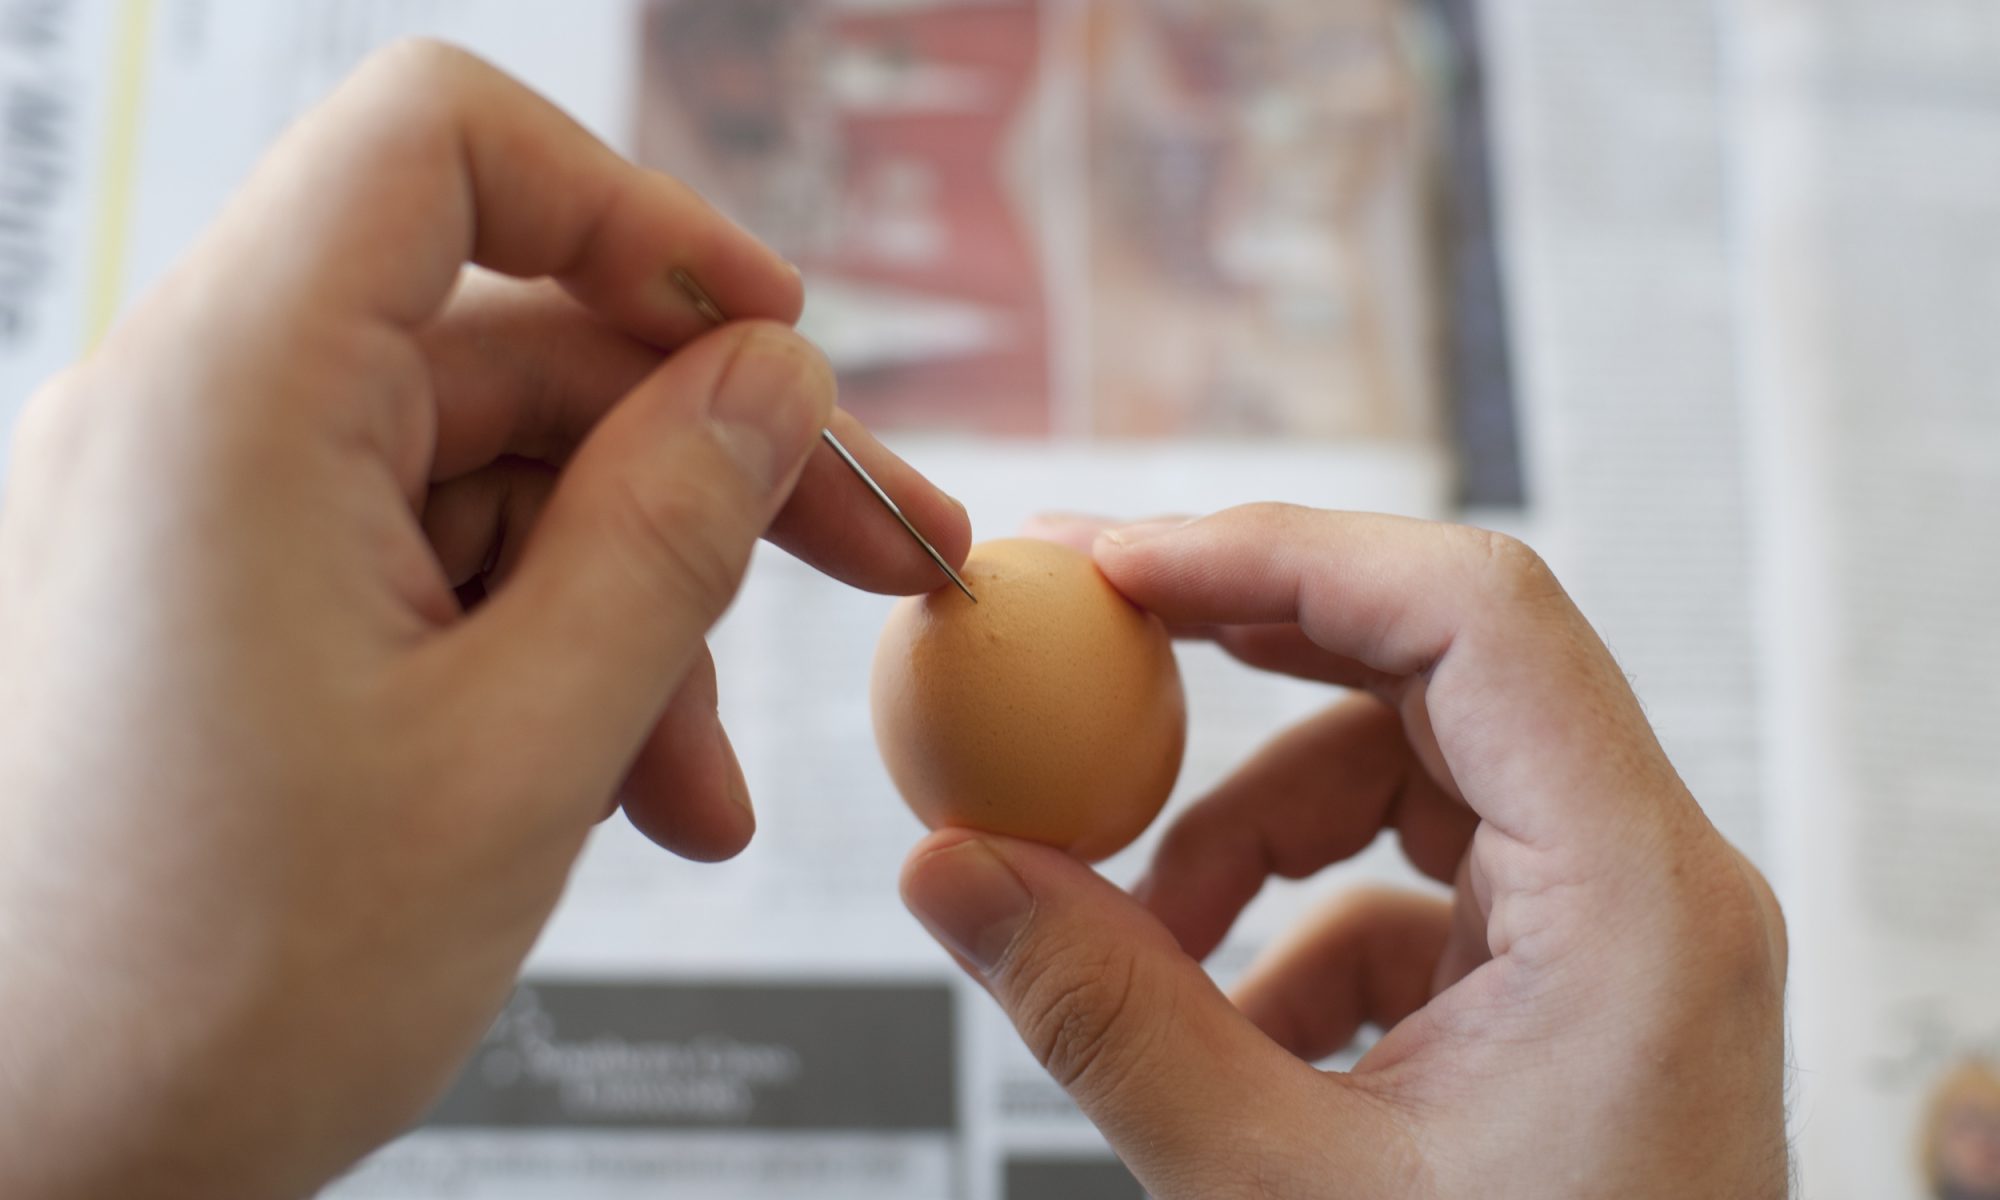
(1871, 159)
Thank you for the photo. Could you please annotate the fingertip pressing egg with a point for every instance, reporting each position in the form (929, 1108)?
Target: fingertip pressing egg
(1050, 710)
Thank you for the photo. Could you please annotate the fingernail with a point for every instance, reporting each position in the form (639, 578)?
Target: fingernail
(739, 794)
(972, 902)
(1132, 535)
(697, 296)
(770, 406)
(738, 787)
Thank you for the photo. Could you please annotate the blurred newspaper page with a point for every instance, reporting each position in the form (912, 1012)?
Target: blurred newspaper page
(1871, 156)
(1614, 194)
(1144, 257)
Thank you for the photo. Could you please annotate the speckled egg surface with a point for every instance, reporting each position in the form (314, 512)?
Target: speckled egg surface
(1051, 710)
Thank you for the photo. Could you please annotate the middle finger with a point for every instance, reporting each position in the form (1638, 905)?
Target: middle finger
(1318, 794)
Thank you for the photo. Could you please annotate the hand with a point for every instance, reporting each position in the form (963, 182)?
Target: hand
(1598, 1010)
(279, 815)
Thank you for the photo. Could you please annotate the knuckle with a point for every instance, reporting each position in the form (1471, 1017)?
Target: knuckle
(413, 90)
(1511, 566)
(37, 419)
(1777, 928)
(48, 424)
(1739, 930)
(1764, 950)
(400, 112)
(1084, 1024)
(416, 58)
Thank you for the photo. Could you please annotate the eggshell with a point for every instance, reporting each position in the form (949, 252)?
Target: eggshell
(1051, 710)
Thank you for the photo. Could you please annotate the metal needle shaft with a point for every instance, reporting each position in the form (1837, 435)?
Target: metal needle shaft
(897, 512)
(711, 312)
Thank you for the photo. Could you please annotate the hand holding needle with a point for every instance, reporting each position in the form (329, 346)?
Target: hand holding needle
(711, 312)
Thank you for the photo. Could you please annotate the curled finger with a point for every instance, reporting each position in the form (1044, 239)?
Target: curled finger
(686, 790)
(1319, 793)
(1370, 957)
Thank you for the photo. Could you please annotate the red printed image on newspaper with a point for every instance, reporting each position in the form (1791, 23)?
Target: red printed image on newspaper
(888, 149)
(1103, 218)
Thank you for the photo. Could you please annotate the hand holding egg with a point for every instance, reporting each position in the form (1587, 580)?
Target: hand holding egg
(1051, 710)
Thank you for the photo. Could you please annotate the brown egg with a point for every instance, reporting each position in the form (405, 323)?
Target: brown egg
(1051, 710)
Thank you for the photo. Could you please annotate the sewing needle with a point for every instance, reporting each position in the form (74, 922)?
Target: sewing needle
(712, 313)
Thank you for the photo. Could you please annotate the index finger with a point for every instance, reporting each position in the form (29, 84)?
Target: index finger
(1536, 722)
(429, 158)
(834, 523)
(522, 370)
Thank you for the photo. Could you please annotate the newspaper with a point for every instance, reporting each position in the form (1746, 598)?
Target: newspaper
(1871, 155)
(1699, 314)
(1615, 195)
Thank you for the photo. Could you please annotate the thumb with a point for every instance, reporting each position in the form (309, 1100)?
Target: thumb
(1131, 1027)
(642, 546)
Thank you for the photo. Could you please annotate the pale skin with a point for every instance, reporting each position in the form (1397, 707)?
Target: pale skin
(1596, 1011)
(279, 817)
(283, 805)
